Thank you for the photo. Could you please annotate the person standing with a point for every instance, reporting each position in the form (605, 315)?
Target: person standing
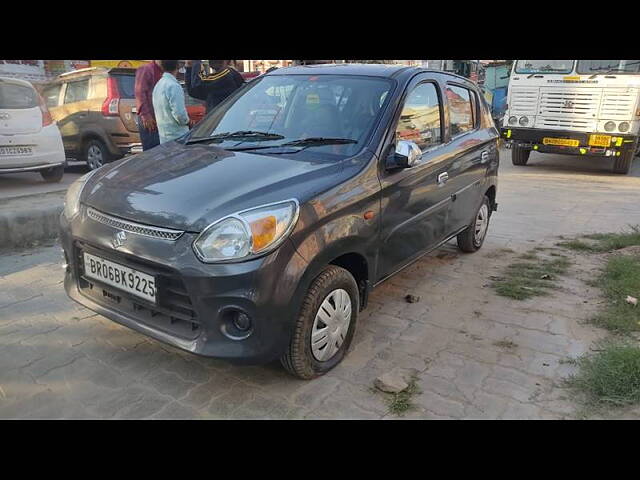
(215, 87)
(146, 78)
(168, 103)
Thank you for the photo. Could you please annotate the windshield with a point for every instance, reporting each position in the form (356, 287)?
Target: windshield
(14, 96)
(605, 66)
(331, 114)
(544, 66)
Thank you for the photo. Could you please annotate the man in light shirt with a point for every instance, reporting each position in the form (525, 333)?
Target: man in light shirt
(168, 104)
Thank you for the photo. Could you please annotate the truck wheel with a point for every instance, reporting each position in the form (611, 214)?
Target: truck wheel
(53, 174)
(622, 164)
(519, 155)
(325, 326)
(473, 237)
(96, 153)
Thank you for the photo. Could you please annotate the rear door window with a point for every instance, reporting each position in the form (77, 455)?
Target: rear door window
(76, 91)
(14, 96)
(460, 110)
(51, 95)
(126, 85)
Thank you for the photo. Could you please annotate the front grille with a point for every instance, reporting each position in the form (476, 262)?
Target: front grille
(618, 104)
(579, 124)
(523, 101)
(174, 312)
(561, 102)
(137, 228)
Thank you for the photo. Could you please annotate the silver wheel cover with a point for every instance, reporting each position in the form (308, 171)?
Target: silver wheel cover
(94, 157)
(331, 325)
(482, 223)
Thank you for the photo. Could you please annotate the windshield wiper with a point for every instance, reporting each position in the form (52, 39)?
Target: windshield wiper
(244, 134)
(316, 141)
(548, 70)
(608, 71)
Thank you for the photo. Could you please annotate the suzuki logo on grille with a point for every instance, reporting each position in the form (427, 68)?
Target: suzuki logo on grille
(119, 239)
(568, 104)
(4, 116)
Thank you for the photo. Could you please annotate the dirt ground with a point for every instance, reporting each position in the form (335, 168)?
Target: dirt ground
(475, 354)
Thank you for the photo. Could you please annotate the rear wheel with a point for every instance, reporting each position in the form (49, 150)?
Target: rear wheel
(96, 153)
(622, 164)
(473, 237)
(53, 174)
(325, 326)
(519, 155)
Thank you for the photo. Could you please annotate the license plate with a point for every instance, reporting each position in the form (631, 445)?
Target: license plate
(565, 142)
(16, 151)
(123, 278)
(600, 140)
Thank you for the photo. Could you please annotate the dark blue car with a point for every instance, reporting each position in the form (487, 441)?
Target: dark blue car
(260, 233)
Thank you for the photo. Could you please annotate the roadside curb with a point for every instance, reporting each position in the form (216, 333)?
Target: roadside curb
(22, 227)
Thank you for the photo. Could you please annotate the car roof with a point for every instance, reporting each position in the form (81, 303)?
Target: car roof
(17, 81)
(367, 69)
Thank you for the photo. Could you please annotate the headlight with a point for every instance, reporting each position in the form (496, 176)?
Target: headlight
(72, 199)
(623, 127)
(523, 121)
(610, 126)
(247, 233)
(513, 120)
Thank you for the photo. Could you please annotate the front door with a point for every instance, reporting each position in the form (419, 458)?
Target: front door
(73, 113)
(415, 200)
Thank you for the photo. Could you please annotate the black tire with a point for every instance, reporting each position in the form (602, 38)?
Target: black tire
(622, 164)
(299, 359)
(53, 174)
(519, 155)
(467, 240)
(96, 153)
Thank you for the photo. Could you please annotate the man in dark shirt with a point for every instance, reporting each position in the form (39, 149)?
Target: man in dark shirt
(215, 87)
(146, 78)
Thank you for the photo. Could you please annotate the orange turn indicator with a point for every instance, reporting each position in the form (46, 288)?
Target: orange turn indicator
(368, 215)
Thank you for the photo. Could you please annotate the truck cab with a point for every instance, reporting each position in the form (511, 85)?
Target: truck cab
(574, 107)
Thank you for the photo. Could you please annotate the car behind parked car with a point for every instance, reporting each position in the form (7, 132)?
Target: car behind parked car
(260, 234)
(29, 138)
(95, 110)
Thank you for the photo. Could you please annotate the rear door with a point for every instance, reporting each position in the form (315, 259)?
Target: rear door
(474, 144)
(74, 112)
(416, 200)
(19, 109)
(52, 95)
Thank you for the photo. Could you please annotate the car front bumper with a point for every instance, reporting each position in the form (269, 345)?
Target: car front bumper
(194, 300)
(534, 138)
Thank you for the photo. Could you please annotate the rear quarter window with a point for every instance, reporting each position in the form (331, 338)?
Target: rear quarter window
(14, 96)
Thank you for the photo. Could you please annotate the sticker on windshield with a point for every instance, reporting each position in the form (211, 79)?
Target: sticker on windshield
(313, 99)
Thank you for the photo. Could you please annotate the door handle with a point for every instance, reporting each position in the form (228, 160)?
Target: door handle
(442, 178)
(484, 157)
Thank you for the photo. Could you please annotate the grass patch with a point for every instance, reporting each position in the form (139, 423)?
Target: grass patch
(605, 242)
(506, 344)
(610, 377)
(401, 402)
(524, 280)
(621, 277)
(528, 256)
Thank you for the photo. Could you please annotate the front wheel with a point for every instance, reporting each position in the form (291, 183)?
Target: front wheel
(519, 155)
(473, 237)
(622, 164)
(325, 326)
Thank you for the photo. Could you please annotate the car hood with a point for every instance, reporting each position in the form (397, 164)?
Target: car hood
(187, 187)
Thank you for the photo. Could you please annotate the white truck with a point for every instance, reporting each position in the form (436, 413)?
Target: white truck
(574, 107)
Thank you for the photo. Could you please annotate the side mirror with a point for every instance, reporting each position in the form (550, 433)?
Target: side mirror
(406, 155)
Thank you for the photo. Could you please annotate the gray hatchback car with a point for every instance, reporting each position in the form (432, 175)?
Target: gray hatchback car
(260, 233)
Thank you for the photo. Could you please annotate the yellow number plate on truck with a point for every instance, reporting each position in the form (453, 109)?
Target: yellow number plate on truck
(565, 142)
(600, 140)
